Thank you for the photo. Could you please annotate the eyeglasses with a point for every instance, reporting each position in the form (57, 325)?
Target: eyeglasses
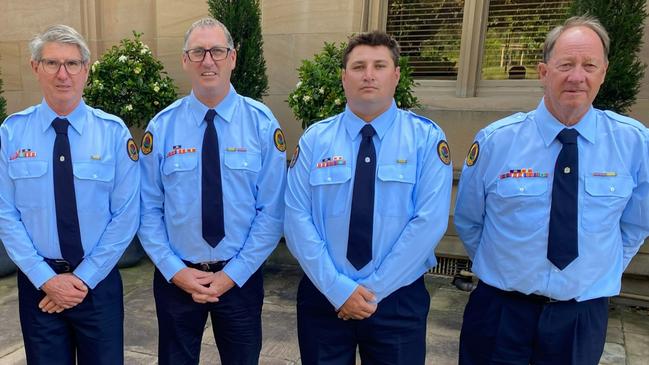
(73, 67)
(217, 53)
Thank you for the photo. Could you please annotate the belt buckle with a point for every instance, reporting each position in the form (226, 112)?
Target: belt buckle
(549, 300)
(63, 265)
(204, 266)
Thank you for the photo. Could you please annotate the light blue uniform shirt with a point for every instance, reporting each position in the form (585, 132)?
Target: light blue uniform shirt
(253, 175)
(504, 221)
(106, 183)
(411, 204)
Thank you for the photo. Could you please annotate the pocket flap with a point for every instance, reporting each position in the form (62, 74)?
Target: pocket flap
(243, 161)
(100, 171)
(27, 169)
(531, 186)
(330, 175)
(619, 186)
(185, 162)
(400, 173)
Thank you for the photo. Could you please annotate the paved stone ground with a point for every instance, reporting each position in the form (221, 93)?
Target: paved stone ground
(627, 341)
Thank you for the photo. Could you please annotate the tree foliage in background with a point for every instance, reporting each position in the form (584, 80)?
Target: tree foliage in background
(3, 103)
(130, 82)
(624, 20)
(243, 20)
(319, 93)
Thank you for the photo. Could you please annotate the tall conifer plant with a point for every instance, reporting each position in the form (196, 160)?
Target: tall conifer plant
(3, 103)
(624, 20)
(243, 20)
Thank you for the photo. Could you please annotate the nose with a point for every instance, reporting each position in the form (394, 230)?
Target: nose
(577, 74)
(207, 60)
(368, 74)
(62, 73)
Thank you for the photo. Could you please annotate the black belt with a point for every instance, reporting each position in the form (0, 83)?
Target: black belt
(211, 266)
(60, 266)
(540, 299)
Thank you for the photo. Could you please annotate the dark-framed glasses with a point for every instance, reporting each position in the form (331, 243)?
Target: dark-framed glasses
(73, 67)
(217, 53)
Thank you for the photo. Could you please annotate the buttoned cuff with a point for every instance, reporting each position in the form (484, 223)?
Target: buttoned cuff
(40, 274)
(87, 272)
(170, 266)
(342, 289)
(238, 272)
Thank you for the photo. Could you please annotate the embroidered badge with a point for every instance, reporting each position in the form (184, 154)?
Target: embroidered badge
(95, 157)
(131, 149)
(607, 173)
(331, 161)
(296, 154)
(444, 152)
(474, 152)
(521, 173)
(402, 161)
(179, 150)
(23, 153)
(280, 142)
(147, 143)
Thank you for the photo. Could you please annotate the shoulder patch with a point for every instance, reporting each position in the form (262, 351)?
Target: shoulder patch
(296, 154)
(474, 152)
(280, 141)
(147, 143)
(131, 150)
(444, 152)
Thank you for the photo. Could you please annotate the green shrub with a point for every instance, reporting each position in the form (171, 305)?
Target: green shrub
(243, 20)
(624, 21)
(319, 93)
(3, 104)
(130, 82)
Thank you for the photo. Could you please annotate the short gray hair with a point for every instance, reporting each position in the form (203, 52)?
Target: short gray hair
(586, 21)
(59, 34)
(208, 23)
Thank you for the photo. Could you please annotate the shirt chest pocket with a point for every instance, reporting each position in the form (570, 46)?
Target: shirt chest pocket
(394, 192)
(93, 185)
(523, 201)
(242, 162)
(604, 201)
(330, 186)
(29, 182)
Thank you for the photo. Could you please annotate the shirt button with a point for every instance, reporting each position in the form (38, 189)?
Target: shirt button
(400, 176)
(94, 176)
(555, 270)
(176, 165)
(245, 164)
(521, 189)
(329, 179)
(612, 188)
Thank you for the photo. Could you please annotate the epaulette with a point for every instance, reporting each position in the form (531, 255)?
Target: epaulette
(626, 120)
(420, 117)
(27, 111)
(259, 106)
(507, 121)
(321, 122)
(169, 107)
(106, 116)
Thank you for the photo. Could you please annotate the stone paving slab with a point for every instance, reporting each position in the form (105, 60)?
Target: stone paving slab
(627, 337)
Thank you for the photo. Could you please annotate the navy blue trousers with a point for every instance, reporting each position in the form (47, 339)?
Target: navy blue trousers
(395, 334)
(236, 322)
(505, 328)
(92, 331)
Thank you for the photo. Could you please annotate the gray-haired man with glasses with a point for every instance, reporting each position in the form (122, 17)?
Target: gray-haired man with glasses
(69, 206)
(214, 171)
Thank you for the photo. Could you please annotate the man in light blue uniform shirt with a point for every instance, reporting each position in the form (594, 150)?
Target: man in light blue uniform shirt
(548, 253)
(355, 295)
(206, 266)
(66, 230)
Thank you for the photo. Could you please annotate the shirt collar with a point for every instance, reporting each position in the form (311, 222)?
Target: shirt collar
(353, 123)
(77, 118)
(549, 126)
(224, 110)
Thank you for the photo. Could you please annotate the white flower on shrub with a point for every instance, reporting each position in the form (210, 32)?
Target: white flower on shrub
(306, 98)
(129, 107)
(122, 58)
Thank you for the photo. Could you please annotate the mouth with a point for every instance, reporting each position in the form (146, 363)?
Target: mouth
(63, 87)
(208, 73)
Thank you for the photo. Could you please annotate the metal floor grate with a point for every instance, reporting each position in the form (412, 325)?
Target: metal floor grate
(447, 266)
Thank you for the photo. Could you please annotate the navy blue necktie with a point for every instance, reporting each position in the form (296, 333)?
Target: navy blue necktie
(67, 219)
(212, 192)
(562, 238)
(361, 221)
